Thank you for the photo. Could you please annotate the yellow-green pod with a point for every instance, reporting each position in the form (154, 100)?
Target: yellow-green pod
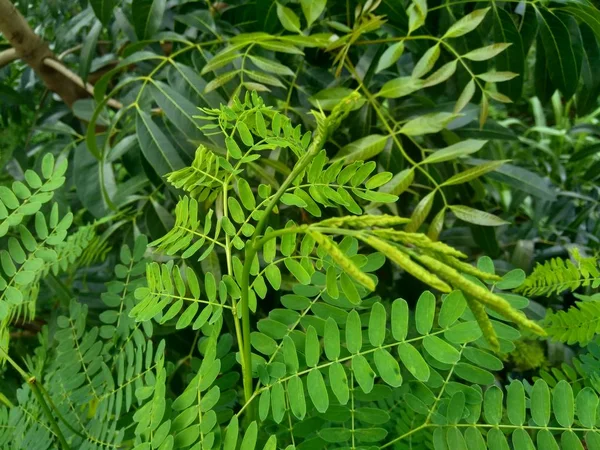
(342, 260)
(469, 269)
(403, 260)
(484, 322)
(419, 240)
(481, 294)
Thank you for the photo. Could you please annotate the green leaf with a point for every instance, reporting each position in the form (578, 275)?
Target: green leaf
(515, 403)
(563, 404)
(155, 146)
(441, 350)
(295, 390)
(463, 332)
(427, 124)
(147, 17)
(362, 149)
(329, 98)
(88, 51)
(339, 382)
(558, 48)
(399, 183)
(442, 74)
(249, 440)
(453, 306)
(427, 61)
(474, 172)
(400, 87)
(586, 405)
(353, 332)
(288, 18)
(513, 59)
(414, 362)
(540, 403)
(492, 405)
(420, 212)
(488, 52)
(312, 9)
(399, 319)
(425, 312)
(317, 390)
(363, 373)
(476, 216)
(465, 96)
(331, 339)
(390, 56)
(473, 374)
(103, 9)
(388, 367)
(270, 66)
(377, 325)
(297, 271)
(466, 24)
(312, 347)
(455, 151)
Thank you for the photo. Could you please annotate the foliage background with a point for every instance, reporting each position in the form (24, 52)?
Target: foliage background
(519, 187)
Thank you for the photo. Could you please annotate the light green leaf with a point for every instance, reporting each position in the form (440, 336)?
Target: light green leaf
(563, 404)
(399, 319)
(362, 149)
(425, 312)
(487, 52)
(400, 87)
(441, 350)
(466, 24)
(377, 322)
(413, 361)
(427, 61)
(462, 148)
(442, 74)
(353, 332)
(476, 216)
(312, 9)
(388, 367)
(390, 56)
(317, 390)
(288, 18)
(363, 373)
(427, 124)
(474, 172)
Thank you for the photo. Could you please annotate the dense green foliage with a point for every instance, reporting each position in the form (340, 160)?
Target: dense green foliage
(303, 225)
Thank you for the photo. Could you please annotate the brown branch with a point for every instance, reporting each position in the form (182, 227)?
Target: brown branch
(29, 47)
(7, 56)
(59, 67)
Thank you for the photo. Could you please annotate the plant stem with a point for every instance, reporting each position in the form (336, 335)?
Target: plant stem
(32, 382)
(252, 248)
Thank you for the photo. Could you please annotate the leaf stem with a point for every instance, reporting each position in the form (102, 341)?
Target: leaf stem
(252, 248)
(32, 383)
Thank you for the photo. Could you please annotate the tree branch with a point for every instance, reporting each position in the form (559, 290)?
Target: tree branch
(29, 47)
(7, 56)
(59, 67)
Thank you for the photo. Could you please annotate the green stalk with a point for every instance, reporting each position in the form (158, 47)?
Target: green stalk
(252, 248)
(32, 382)
(326, 125)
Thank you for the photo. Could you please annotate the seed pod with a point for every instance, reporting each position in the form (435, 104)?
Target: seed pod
(481, 294)
(484, 322)
(383, 220)
(419, 240)
(403, 260)
(469, 269)
(342, 260)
